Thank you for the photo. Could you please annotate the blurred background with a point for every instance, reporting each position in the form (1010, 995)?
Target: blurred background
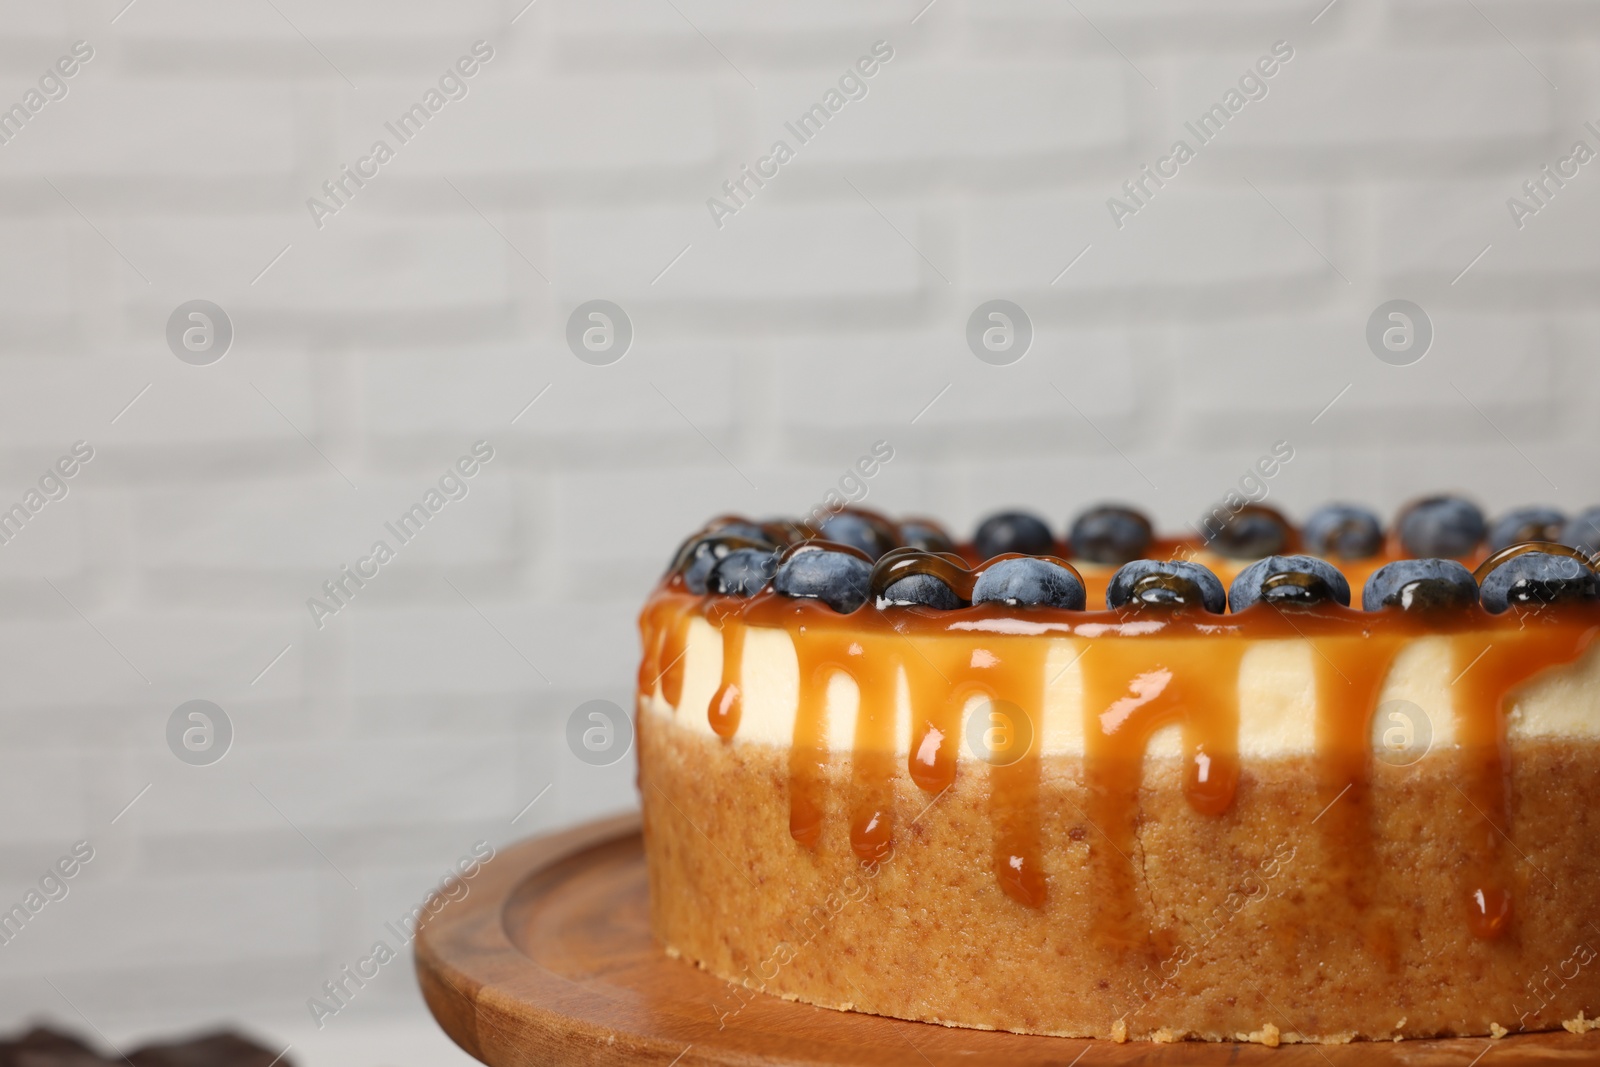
(360, 338)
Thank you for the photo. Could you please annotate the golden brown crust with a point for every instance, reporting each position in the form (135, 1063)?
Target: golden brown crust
(1262, 926)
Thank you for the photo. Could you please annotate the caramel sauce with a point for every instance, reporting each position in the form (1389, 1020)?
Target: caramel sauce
(935, 724)
(1350, 670)
(822, 651)
(674, 648)
(727, 705)
(1016, 678)
(1150, 669)
(872, 768)
(1492, 665)
(658, 623)
(1135, 686)
(1005, 673)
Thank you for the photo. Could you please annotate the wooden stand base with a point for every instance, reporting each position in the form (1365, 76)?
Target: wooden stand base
(549, 960)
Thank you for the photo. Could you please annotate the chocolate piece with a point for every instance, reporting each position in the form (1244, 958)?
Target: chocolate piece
(220, 1049)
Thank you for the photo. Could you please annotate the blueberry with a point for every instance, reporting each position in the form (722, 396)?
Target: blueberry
(1029, 583)
(1170, 582)
(705, 557)
(834, 574)
(1535, 578)
(1420, 584)
(1444, 526)
(1582, 532)
(1288, 580)
(1343, 530)
(858, 531)
(742, 572)
(928, 536)
(925, 590)
(904, 577)
(738, 528)
(1526, 524)
(1252, 532)
(1110, 534)
(702, 552)
(784, 532)
(1013, 531)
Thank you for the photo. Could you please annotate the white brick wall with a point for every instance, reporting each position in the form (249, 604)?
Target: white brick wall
(823, 316)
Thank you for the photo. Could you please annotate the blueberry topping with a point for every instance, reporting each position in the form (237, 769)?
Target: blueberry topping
(1526, 524)
(703, 556)
(1537, 578)
(1443, 526)
(701, 553)
(1288, 580)
(785, 532)
(1252, 532)
(742, 572)
(738, 528)
(1167, 583)
(835, 574)
(1029, 583)
(906, 577)
(1343, 530)
(925, 590)
(1582, 532)
(1013, 531)
(858, 531)
(1420, 585)
(1110, 534)
(928, 536)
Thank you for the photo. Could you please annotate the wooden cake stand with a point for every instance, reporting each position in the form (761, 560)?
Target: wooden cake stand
(549, 960)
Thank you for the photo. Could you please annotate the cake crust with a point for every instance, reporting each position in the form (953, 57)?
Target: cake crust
(1244, 909)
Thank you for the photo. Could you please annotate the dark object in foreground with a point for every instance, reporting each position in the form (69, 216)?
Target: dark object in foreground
(43, 1047)
(40, 1047)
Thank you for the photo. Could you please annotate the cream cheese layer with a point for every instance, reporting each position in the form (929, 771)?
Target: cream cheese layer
(1278, 694)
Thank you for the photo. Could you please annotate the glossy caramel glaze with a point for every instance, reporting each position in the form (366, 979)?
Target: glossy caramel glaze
(1150, 668)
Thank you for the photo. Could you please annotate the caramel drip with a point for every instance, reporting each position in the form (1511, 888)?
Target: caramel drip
(1007, 672)
(650, 635)
(935, 721)
(872, 763)
(822, 651)
(665, 619)
(727, 704)
(674, 645)
(1350, 670)
(1133, 687)
(1492, 665)
(1014, 680)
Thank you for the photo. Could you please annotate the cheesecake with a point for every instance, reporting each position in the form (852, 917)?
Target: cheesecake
(1116, 785)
